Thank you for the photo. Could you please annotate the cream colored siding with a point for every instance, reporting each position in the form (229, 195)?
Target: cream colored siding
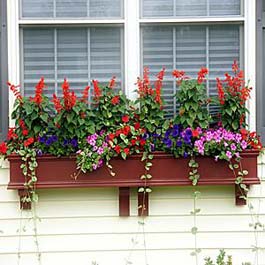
(79, 226)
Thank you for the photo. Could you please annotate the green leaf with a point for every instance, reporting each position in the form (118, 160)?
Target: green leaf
(150, 156)
(44, 117)
(231, 167)
(245, 172)
(194, 230)
(123, 155)
(149, 164)
(70, 117)
(141, 189)
(236, 166)
(148, 190)
(143, 177)
(149, 176)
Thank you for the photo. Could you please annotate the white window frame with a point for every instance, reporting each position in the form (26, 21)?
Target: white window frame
(131, 23)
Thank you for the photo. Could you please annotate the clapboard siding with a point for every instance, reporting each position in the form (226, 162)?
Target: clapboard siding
(82, 226)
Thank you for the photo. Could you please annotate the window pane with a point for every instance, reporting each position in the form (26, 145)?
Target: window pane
(188, 8)
(78, 54)
(189, 48)
(38, 57)
(37, 8)
(71, 8)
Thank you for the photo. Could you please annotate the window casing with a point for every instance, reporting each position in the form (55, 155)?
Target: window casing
(134, 20)
(261, 68)
(3, 72)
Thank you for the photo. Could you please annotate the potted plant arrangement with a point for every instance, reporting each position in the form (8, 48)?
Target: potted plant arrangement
(112, 141)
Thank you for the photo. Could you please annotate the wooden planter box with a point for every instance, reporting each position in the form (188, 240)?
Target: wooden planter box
(53, 172)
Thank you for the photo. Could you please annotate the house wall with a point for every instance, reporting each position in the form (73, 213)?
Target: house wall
(82, 226)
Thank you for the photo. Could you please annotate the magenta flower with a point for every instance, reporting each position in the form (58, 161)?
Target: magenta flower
(228, 154)
(244, 144)
(100, 150)
(233, 147)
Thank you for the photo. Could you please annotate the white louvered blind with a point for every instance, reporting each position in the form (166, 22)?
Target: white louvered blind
(188, 48)
(79, 54)
(190, 8)
(71, 8)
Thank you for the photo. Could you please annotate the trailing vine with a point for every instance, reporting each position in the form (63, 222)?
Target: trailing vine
(29, 165)
(193, 173)
(194, 229)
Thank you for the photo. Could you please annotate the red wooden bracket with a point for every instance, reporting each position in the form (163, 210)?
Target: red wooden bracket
(24, 205)
(143, 203)
(124, 201)
(240, 194)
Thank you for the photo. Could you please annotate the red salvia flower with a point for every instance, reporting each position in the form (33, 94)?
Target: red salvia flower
(115, 100)
(38, 92)
(201, 74)
(118, 132)
(180, 75)
(57, 103)
(112, 82)
(29, 141)
(111, 136)
(235, 66)
(221, 94)
(126, 150)
(68, 97)
(85, 94)
(11, 134)
(126, 130)
(125, 118)
(97, 90)
(117, 149)
(142, 142)
(3, 148)
(195, 133)
(137, 126)
(158, 86)
(133, 142)
(25, 132)
(15, 91)
(144, 86)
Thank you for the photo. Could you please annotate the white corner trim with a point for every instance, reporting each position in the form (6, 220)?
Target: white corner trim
(132, 46)
(250, 58)
(13, 50)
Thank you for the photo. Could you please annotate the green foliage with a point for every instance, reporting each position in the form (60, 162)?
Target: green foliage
(233, 93)
(107, 113)
(193, 101)
(221, 259)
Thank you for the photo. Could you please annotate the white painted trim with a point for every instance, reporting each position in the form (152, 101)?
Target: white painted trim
(193, 20)
(54, 21)
(13, 49)
(250, 58)
(131, 46)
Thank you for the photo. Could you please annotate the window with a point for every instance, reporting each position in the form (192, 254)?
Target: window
(86, 39)
(3, 72)
(188, 48)
(79, 52)
(170, 38)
